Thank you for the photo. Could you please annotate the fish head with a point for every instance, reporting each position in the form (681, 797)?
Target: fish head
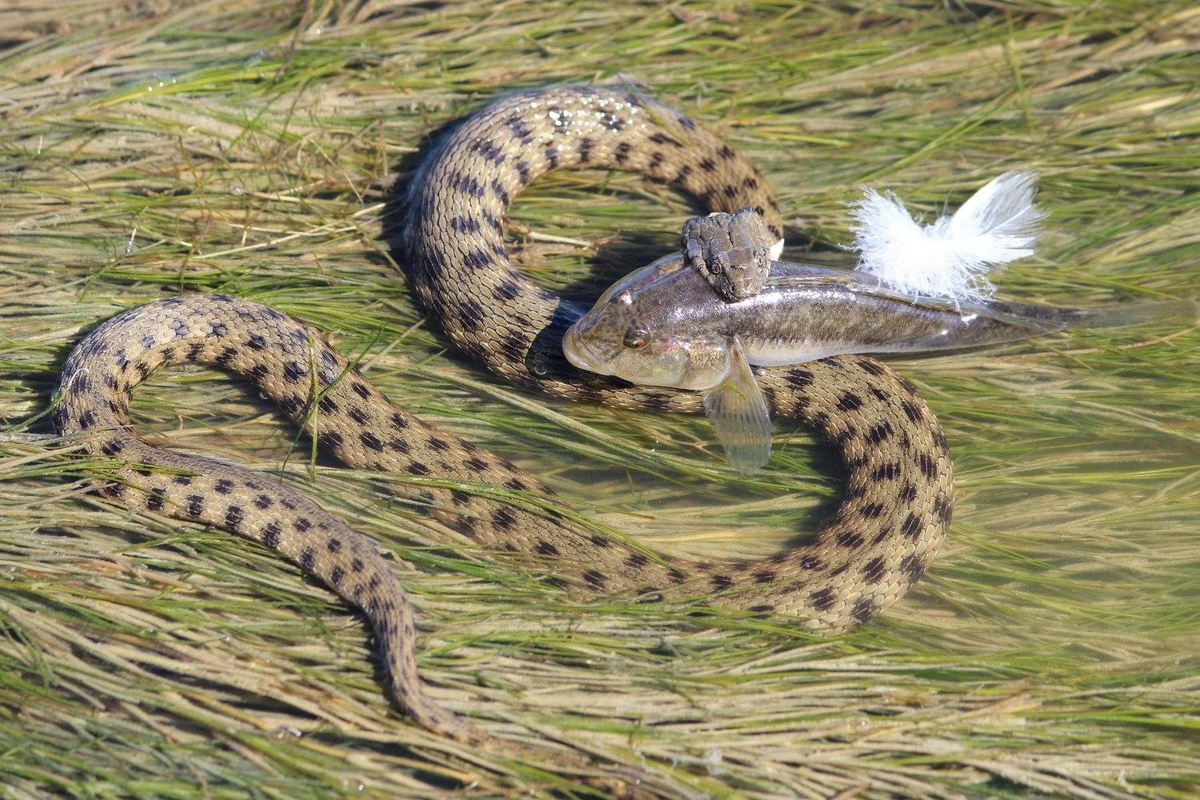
(648, 329)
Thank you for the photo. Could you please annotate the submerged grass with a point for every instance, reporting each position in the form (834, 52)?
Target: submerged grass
(152, 148)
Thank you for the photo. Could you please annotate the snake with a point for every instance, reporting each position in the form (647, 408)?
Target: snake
(898, 493)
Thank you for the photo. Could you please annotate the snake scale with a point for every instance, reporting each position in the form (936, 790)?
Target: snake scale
(893, 516)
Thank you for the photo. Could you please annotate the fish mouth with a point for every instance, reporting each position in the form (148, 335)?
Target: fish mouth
(580, 354)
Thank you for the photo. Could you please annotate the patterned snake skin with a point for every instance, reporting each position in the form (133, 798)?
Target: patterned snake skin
(898, 500)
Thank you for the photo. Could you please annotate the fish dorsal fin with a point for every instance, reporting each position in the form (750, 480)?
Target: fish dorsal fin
(739, 413)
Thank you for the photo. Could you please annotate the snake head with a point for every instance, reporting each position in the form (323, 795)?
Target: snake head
(732, 251)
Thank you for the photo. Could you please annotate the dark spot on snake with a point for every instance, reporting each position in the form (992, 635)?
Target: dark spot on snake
(752, 183)
(622, 153)
(546, 549)
(719, 582)
(886, 471)
(912, 410)
(873, 571)
(290, 404)
(471, 314)
(301, 525)
(850, 402)
(263, 501)
(330, 440)
(506, 291)
(822, 599)
(911, 526)
(257, 373)
(811, 562)
(880, 432)
(708, 165)
(849, 539)
(334, 544)
(504, 519)
(730, 192)
(600, 541)
(912, 567)
(726, 152)
(476, 464)
(156, 499)
(361, 389)
(399, 445)
(908, 493)
(764, 576)
(943, 508)
(764, 609)
(417, 468)
(440, 445)
(358, 415)
(685, 122)
(880, 394)
(684, 171)
(114, 489)
(637, 561)
(658, 137)
(656, 402)
(256, 341)
(293, 371)
(356, 565)
(522, 170)
(223, 486)
(864, 609)
(500, 192)
(143, 369)
(552, 156)
(182, 480)
(336, 575)
(799, 378)
(399, 422)
(327, 405)
(655, 161)
(233, 516)
(225, 356)
(585, 150)
(195, 506)
(307, 558)
(595, 579)
(871, 510)
(271, 534)
(928, 465)
(872, 367)
(112, 447)
(775, 231)
(459, 497)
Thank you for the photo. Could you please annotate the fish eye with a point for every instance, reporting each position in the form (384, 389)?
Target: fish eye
(636, 338)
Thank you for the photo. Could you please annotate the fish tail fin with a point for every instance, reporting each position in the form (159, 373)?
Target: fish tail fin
(1048, 319)
(1129, 314)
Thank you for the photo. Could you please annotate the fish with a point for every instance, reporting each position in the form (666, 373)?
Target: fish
(665, 325)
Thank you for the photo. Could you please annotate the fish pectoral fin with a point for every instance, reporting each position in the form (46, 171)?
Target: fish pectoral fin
(739, 413)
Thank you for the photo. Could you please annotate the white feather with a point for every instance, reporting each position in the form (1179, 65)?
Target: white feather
(950, 257)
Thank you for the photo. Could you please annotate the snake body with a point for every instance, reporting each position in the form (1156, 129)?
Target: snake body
(898, 499)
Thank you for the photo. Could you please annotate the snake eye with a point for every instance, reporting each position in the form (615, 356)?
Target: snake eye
(636, 338)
